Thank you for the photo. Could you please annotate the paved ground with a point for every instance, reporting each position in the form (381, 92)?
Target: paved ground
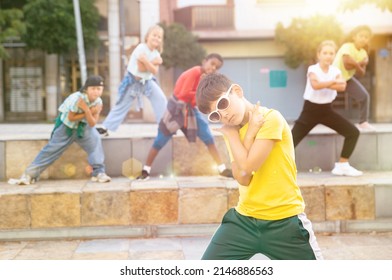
(369, 246)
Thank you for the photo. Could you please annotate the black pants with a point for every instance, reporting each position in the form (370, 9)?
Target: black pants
(313, 114)
(357, 91)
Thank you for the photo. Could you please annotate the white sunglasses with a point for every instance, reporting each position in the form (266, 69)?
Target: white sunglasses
(222, 104)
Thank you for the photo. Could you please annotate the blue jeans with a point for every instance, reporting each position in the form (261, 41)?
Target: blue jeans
(129, 90)
(203, 132)
(60, 141)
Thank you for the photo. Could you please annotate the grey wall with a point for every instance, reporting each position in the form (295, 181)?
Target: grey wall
(252, 74)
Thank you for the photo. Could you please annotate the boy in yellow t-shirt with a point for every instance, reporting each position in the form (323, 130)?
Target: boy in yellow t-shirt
(269, 217)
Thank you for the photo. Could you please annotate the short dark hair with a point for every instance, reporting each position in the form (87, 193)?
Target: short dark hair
(214, 55)
(210, 88)
(358, 29)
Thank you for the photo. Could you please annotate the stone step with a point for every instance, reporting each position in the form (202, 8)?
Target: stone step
(180, 206)
(319, 150)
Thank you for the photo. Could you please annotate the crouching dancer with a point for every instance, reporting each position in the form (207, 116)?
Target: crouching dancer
(269, 217)
(78, 115)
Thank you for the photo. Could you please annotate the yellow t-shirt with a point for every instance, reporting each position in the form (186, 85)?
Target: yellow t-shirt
(273, 193)
(351, 50)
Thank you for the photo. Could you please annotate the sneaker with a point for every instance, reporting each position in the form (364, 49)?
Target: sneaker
(144, 176)
(102, 131)
(101, 178)
(365, 126)
(345, 169)
(23, 180)
(226, 173)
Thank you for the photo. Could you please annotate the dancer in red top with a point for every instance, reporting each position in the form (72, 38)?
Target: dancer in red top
(185, 88)
(183, 114)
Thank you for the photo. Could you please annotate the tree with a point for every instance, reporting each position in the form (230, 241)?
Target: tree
(50, 25)
(355, 4)
(303, 36)
(180, 47)
(12, 4)
(11, 26)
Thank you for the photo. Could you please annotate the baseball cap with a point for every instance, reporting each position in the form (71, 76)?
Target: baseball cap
(92, 81)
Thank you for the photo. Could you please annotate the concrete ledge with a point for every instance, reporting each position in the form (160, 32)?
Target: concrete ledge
(378, 225)
(319, 150)
(148, 231)
(178, 206)
(73, 233)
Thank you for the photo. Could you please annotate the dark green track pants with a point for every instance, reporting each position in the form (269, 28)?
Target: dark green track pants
(240, 238)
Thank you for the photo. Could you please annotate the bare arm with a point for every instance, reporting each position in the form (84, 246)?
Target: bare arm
(157, 61)
(145, 65)
(246, 161)
(338, 84)
(350, 63)
(90, 114)
(256, 121)
(96, 111)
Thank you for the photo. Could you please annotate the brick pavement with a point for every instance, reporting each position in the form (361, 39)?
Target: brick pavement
(348, 246)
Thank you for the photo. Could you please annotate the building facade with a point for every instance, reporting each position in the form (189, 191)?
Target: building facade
(33, 84)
